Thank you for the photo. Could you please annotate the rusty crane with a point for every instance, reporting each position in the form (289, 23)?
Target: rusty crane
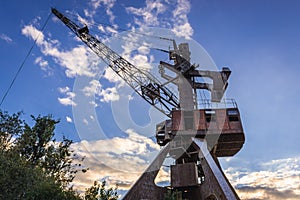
(194, 136)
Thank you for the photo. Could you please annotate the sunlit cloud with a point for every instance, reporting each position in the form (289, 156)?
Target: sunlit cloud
(120, 159)
(104, 94)
(77, 61)
(69, 96)
(181, 25)
(276, 179)
(155, 11)
(149, 13)
(44, 65)
(108, 4)
(63, 89)
(95, 5)
(93, 88)
(109, 94)
(112, 76)
(68, 100)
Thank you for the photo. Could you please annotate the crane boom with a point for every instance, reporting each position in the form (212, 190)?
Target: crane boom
(140, 80)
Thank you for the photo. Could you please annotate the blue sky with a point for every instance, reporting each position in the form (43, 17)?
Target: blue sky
(258, 40)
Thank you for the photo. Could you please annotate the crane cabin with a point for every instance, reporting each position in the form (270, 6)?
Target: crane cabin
(210, 123)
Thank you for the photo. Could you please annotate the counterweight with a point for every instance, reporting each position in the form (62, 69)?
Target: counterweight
(146, 85)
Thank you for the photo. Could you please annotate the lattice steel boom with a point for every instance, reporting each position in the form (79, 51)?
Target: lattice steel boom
(146, 85)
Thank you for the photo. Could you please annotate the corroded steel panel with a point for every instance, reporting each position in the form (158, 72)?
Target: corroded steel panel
(145, 188)
(215, 184)
(184, 175)
(219, 126)
(176, 120)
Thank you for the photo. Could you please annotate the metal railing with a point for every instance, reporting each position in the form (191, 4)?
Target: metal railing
(225, 103)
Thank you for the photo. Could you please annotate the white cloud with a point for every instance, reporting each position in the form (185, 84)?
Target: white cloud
(93, 103)
(149, 13)
(276, 179)
(44, 65)
(101, 28)
(69, 119)
(105, 94)
(181, 26)
(120, 159)
(130, 97)
(155, 13)
(77, 61)
(141, 61)
(68, 100)
(183, 30)
(109, 94)
(143, 49)
(88, 13)
(64, 89)
(34, 33)
(112, 76)
(83, 21)
(111, 29)
(5, 38)
(40, 61)
(93, 88)
(108, 4)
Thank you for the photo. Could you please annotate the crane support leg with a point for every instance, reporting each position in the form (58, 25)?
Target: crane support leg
(145, 188)
(215, 185)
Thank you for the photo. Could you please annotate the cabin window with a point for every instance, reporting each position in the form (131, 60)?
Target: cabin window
(233, 115)
(189, 120)
(210, 115)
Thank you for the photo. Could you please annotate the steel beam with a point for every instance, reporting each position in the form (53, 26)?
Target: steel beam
(145, 188)
(215, 185)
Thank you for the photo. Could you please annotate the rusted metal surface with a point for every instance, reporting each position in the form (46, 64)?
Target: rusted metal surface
(215, 184)
(189, 179)
(145, 188)
(222, 128)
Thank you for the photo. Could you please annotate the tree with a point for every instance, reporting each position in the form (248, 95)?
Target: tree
(33, 165)
(38, 146)
(99, 192)
(19, 180)
(10, 126)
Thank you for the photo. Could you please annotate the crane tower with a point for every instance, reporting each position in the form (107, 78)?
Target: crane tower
(193, 136)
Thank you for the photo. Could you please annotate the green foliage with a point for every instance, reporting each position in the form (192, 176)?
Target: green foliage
(38, 147)
(99, 192)
(33, 165)
(19, 180)
(172, 195)
(10, 126)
